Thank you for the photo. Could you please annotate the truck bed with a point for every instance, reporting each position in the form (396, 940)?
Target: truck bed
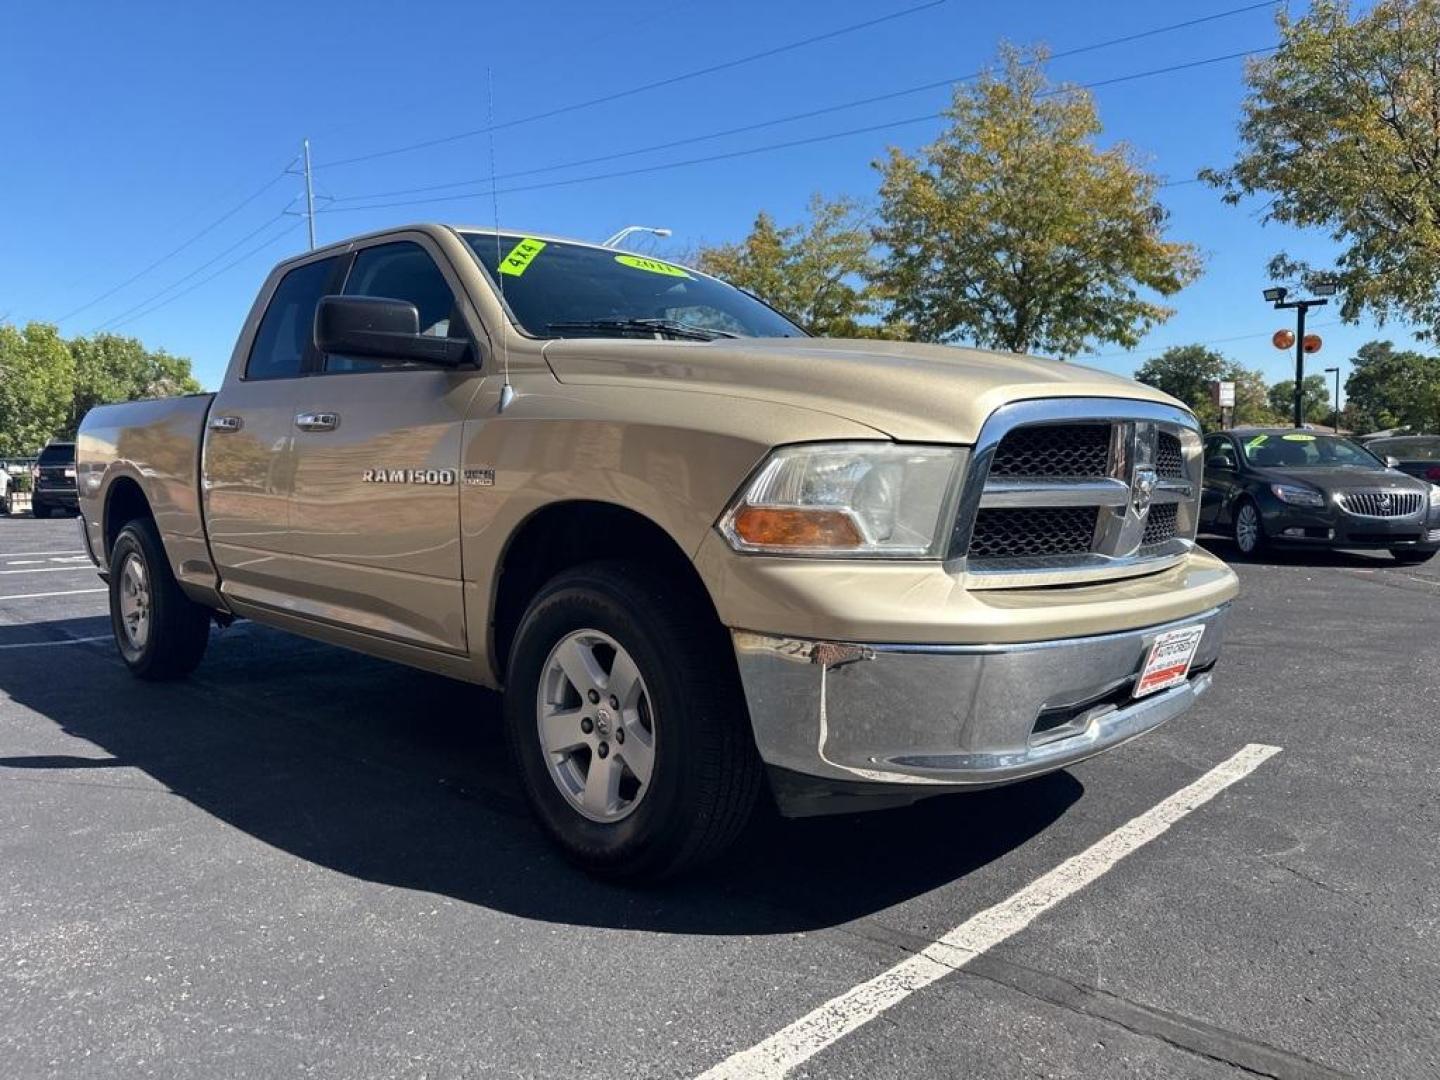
(156, 445)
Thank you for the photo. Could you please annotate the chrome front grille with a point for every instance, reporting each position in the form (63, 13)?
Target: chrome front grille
(1074, 450)
(1076, 490)
(1169, 459)
(1005, 532)
(1161, 525)
(1381, 504)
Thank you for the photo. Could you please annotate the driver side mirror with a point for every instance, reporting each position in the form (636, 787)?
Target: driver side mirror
(1219, 463)
(1392, 462)
(385, 329)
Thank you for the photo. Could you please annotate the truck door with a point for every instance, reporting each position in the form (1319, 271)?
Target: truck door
(375, 516)
(249, 454)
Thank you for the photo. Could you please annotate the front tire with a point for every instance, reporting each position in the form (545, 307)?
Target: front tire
(1249, 530)
(1410, 556)
(161, 632)
(627, 723)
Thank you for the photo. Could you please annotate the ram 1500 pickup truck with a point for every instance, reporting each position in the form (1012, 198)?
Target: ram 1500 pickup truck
(702, 553)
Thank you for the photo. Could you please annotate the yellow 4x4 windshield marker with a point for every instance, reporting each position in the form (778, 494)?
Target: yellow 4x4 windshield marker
(520, 257)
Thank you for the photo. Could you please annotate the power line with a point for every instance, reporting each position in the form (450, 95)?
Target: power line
(211, 277)
(176, 251)
(1179, 345)
(808, 115)
(643, 88)
(116, 320)
(788, 144)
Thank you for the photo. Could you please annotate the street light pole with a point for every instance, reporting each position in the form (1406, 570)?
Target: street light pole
(1336, 372)
(1277, 296)
(614, 241)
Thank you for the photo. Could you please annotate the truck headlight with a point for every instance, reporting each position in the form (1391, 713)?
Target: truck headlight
(867, 500)
(1297, 496)
(1435, 496)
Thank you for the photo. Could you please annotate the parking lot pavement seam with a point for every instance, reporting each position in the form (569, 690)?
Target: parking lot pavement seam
(1182, 1032)
(772, 1058)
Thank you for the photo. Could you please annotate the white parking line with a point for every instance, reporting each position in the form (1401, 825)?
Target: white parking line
(27, 554)
(806, 1037)
(39, 595)
(45, 569)
(48, 644)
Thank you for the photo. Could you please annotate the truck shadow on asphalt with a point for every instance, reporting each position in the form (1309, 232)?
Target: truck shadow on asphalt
(395, 776)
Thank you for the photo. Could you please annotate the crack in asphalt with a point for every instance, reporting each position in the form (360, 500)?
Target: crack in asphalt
(1182, 1032)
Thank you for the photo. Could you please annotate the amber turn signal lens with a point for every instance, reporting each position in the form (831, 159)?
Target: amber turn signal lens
(779, 527)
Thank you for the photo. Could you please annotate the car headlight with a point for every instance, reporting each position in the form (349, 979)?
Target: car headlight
(866, 500)
(1435, 496)
(1297, 496)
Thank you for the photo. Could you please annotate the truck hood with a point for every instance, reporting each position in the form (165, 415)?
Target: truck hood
(911, 392)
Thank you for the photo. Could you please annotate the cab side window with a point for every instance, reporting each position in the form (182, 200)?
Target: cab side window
(1217, 446)
(401, 271)
(288, 324)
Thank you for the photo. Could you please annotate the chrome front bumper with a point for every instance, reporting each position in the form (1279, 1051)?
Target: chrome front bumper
(844, 726)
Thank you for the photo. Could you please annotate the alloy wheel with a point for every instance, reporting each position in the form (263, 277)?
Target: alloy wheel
(597, 725)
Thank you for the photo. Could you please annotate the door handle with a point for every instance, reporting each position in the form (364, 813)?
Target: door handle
(226, 423)
(317, 421)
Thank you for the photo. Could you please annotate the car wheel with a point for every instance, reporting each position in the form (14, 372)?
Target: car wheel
(161, 632)
(1411, 556)
(39, 510)
(627, 723)
(1249, 532)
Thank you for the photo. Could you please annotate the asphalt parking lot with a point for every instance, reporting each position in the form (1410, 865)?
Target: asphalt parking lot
(303, 862)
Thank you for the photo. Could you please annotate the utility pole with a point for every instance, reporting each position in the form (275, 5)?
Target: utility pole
(1276, 295)
(309, 196)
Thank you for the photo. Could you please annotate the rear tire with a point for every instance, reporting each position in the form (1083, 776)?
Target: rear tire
(1410, 556)
(689, 730)
(161, 633)
(39, 510)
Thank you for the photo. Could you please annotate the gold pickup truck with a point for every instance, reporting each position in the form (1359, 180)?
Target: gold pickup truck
(702, 553)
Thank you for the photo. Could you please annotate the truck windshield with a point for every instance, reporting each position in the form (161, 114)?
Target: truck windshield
(555, 289)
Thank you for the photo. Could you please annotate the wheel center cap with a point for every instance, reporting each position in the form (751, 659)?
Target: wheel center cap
(603, 721)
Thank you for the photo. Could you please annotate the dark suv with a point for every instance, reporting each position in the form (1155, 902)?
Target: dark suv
(55, 480)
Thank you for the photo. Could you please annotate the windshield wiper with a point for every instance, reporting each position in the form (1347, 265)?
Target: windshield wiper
(682, 330)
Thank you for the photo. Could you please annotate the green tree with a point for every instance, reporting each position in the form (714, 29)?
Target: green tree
(1015, 230)
(37, 384)
(1187, 372)
(818, 273)
(1252, 397)
(1339, 132)
(1315, 399)
(113, 368)
(1388, 389)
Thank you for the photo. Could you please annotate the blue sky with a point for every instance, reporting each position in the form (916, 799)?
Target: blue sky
(131, 127)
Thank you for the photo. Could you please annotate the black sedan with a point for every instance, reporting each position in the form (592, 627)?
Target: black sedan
(1303, 488)
(1418, 455)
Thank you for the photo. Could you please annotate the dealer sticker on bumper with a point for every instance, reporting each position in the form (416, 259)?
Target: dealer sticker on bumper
(1169, 661)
